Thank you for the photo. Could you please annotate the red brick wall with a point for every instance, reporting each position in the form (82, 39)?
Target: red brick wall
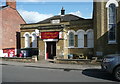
(11, 21)
(0, 29)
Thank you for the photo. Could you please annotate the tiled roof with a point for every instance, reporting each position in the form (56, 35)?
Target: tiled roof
(63, 18)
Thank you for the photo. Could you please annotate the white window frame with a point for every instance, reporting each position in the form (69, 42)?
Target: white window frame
(90, 41)
(107, 6)
(27, 43)
(71, 31)
(79, 39)
(112, 1)
(34, 40)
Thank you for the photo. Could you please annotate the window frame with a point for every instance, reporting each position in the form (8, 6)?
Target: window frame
(71, 31)
(115, 30)
(27, 45)
(79, 31)
(34, 40)
(90, 38)
(71, 39)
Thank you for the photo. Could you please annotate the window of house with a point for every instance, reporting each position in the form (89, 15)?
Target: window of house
(34, 40)
(71, 39)
(27, 40)
(81, 39)
(112, 23)
(90, 39)
(57, 21)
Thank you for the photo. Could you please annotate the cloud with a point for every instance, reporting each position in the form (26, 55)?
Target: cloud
(33, 16)
(77, 13)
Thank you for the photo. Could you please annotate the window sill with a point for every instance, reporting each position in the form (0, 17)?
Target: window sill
(80, 47)
(112, 42)
(71, 47)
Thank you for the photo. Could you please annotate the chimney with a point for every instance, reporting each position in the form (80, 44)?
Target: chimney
(11, 3)
(62, 11)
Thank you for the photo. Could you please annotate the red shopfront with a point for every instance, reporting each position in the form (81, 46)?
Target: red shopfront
(50, 39)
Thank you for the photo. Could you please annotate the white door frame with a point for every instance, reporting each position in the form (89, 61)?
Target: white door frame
(48, 40)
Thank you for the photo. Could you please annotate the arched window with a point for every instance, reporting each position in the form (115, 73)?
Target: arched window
(34, 40)
(81, 38)
(112, 23)
(71, 39)
(27, 40)
(90, 38)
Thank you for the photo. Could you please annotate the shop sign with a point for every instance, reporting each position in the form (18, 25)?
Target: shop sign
(9, 52)
(49, 35)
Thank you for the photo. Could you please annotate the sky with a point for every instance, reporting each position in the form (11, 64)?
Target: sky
(33, 12)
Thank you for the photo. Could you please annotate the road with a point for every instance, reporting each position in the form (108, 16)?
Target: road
(11, 73)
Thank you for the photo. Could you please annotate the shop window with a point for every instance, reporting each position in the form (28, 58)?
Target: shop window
(27, 40)
(71, 39)
(90, 38)
(34, 40)
(112, 23)
(81, 39)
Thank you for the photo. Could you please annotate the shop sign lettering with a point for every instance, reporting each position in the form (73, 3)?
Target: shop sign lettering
(49, 35)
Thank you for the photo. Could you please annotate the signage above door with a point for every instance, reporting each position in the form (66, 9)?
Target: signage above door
(49, 35)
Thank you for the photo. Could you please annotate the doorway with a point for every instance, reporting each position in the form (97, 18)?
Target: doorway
(50, 50)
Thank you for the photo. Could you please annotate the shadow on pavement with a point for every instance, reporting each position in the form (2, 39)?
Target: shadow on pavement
(98, 73)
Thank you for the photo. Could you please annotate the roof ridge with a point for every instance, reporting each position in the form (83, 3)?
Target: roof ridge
(3, 7)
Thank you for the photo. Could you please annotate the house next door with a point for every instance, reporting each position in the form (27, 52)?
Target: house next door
(51, 50)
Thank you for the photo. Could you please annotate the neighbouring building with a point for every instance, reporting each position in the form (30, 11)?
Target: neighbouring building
(67, 35)
(10, 21)
(106, 27)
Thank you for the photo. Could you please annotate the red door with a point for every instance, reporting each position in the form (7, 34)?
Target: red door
(51, 50)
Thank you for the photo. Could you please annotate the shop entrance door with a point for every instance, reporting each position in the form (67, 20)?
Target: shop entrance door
(51, 50)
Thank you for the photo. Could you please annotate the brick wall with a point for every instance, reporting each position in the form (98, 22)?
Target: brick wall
(11, 21)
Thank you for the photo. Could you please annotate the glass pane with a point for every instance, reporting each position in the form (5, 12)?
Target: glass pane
(71, 39)
(112, 32)
(112, 22)
(112, 13)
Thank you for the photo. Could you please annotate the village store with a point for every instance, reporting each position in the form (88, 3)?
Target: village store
(62, 36)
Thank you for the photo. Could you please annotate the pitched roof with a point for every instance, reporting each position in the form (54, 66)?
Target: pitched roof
(63, 18)
(2, 7)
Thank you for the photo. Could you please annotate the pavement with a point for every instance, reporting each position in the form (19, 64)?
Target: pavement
(50, 65)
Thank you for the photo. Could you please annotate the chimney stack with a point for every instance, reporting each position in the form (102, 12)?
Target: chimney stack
(11, 3)
(62, 11)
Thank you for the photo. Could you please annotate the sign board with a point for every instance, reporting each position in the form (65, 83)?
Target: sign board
(9, 52)
(55, 21)
(49, 35)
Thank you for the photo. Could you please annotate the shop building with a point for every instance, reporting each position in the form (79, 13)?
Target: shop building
(66, 34)
(60, 35)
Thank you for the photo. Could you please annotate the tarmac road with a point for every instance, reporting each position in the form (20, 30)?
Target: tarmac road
(14, 73)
